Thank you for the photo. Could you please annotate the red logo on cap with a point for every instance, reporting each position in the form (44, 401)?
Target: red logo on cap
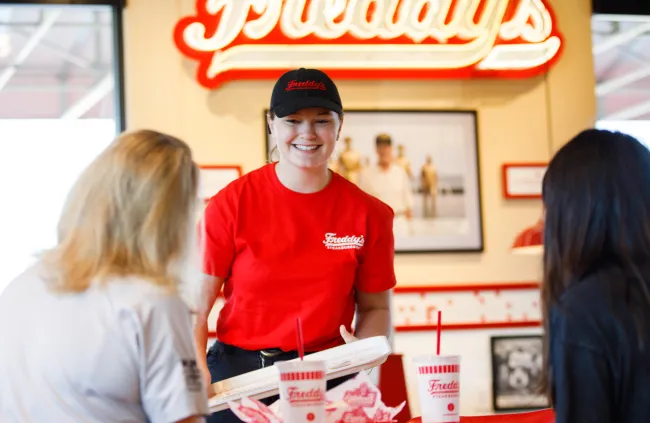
(305, 85)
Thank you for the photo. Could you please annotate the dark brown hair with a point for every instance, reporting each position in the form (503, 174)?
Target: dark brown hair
(597, 204)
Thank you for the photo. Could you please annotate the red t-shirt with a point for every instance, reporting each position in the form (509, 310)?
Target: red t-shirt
(284, 254)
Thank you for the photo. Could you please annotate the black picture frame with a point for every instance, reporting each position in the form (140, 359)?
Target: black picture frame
(457, 224)
(516, 373)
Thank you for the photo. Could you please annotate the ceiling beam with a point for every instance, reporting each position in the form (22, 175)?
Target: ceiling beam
(59, 51)
(5, 41)
(92, 97)
(614, 84)
(30, 45)
(621, 38)
(630, 113)
(620, 18)
(48, 88)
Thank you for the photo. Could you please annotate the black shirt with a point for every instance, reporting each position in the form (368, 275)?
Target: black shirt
(599, 371)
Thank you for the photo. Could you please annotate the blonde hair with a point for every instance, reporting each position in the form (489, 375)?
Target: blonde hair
(131, 213)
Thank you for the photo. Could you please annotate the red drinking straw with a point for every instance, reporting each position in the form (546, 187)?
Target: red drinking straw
(301, 342)
(438, 330)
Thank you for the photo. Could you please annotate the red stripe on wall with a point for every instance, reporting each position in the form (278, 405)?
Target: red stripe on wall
(457, 326)
(470, 326)
(497, 286)
(501, 286)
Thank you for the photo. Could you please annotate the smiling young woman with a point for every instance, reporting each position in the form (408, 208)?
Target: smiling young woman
(305, 141)
(294, 239)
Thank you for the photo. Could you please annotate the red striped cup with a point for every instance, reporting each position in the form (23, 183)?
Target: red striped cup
(439, 387)
(302, 391)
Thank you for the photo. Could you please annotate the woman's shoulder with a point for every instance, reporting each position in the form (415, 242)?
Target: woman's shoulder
(594, 306)
(143, 296)
(30, 285)
(596, 288)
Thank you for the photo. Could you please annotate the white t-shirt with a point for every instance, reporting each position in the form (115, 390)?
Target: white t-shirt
(121, 352)
(392, 186)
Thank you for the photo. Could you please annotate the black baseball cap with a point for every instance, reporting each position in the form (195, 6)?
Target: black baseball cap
(303, 88)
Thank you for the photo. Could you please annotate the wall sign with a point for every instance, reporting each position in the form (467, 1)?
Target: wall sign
(523, 180)
(369, 39)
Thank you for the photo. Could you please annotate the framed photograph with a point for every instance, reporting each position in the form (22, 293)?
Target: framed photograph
(422, 163)
(516, 373)
(523, 180)
(215, 177)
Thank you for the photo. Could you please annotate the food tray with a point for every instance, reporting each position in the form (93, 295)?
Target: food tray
(341, 361)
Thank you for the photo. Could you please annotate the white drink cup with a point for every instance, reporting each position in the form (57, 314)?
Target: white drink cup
(439, 387)
(302, 391)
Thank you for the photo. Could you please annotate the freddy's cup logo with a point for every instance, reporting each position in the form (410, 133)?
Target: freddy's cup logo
(295, 395)
(437, 387)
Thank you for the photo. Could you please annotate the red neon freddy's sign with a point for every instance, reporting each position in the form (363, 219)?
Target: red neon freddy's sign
(369, 39)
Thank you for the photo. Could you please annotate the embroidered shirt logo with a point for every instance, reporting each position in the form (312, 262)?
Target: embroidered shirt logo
(333, 242)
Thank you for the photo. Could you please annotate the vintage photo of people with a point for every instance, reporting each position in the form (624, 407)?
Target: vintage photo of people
(516, 372)
(424, 165)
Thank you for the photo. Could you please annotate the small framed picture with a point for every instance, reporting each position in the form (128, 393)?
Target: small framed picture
(213, 178)
(523, 180)
(425, 165)
(516, 373)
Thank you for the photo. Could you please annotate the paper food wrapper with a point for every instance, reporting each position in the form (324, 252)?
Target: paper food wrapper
(357, 400)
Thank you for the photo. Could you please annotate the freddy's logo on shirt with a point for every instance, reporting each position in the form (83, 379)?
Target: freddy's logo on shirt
(347, 242)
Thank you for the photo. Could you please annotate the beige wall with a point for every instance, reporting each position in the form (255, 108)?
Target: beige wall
(521, 120)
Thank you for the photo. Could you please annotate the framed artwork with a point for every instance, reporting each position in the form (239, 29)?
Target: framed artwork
(523, 180)
(516, 373)
(425, 167)
(215, 177)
